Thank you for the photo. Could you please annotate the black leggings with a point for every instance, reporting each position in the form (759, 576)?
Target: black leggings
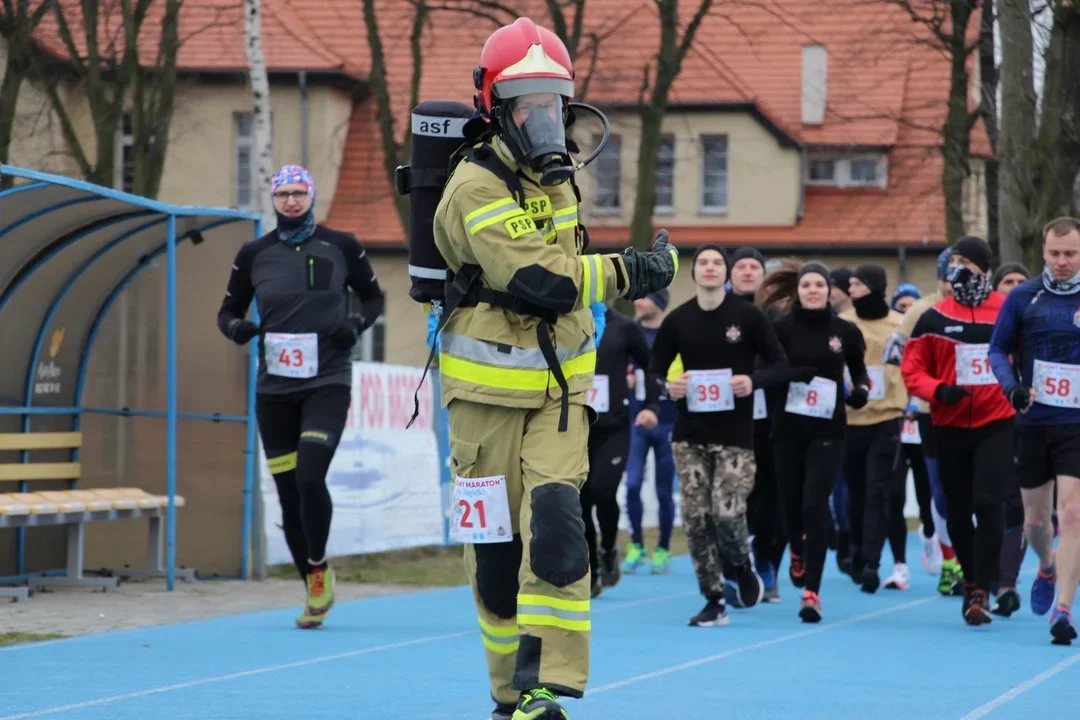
(975, 464)
(921, 476)
(763, 512)
(300, 433)
(875, 483)
(607, 461)
(806, 468)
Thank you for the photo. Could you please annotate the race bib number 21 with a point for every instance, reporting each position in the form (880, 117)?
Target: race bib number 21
(480, 511)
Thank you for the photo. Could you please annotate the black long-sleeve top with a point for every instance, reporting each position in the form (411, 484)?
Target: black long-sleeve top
(730, 336)
(623, 341)
(818, 343)
(303, 289)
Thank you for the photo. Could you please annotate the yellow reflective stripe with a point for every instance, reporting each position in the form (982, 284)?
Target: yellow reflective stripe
(554, 612)
(557, 603)
(592, 280)
(492, 213)
(599, 278)
(565, 217)
(499, 648)
(675, 257)
(499, 640)
(282, 463)
(504, 378)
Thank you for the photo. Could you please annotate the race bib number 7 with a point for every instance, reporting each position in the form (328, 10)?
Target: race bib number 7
(294, 355)
(481, 511)
(973, 365)
(599, 395)
(1056, 384)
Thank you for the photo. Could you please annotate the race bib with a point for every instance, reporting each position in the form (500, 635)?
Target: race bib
(639, 385)
(909, 433)
(876, 373)
(709, 391)
(816, 398)
(1056, 384)
(293, 355)
(599, 395)
(761, 411)
(973, 365)
(481, 511)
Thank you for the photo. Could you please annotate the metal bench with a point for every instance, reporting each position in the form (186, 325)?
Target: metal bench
(75, 508)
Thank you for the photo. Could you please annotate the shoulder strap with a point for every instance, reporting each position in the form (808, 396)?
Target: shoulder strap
(486, 158)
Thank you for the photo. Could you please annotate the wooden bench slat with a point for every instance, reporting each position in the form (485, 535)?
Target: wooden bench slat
(40, 440)
(40, 471)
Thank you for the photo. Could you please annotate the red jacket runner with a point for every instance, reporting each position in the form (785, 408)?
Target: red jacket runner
(951, 339)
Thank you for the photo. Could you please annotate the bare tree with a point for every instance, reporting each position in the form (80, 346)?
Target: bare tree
(17, 26)
(652, 101)
(1040, 146)
(260, 95)
(988, 77)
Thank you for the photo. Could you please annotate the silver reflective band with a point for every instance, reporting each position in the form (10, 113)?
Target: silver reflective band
(438, 126)
(596, 282)
(468, 348)
(510, 640)
(554, 612)
(426, 273)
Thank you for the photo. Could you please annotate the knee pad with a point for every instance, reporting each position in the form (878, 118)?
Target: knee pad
(280, 463)
(558, 552)
(497, 566)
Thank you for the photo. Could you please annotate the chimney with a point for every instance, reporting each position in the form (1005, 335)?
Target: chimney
(814, 84)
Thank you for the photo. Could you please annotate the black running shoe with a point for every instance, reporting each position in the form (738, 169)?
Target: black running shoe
(714, 614)
(609, 567)
(871, 581)
(1008, 602)
(744, 588)
(978, 611)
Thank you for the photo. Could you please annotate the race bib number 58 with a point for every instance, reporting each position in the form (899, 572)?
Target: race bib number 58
(1056, 384)
(294, 355)
(481, 511)
(973, 365)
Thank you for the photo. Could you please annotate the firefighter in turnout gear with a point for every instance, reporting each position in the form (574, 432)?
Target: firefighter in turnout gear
(516, 357)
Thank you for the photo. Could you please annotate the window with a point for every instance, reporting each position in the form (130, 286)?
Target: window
(608, 178)
(864, 171)
(372, 344)
(125, 152)
(245, 160)
(822, 170)
(839, 170)
(665, 176)
(714, 177)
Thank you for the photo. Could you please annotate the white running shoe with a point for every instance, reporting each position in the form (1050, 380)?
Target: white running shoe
(900, 578)
(931, 553)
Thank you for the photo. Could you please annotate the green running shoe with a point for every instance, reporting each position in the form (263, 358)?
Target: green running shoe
(539, 704)
(635, 558)
(661, 562)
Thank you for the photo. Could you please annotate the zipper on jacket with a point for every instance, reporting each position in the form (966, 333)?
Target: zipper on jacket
(311, 273)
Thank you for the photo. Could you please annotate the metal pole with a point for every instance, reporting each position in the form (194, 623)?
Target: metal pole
(170, 343)
(252, 490)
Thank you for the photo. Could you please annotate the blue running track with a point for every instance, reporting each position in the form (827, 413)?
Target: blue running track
(897, 654)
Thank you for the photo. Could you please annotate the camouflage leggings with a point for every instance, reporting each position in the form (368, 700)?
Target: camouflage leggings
(714, 481)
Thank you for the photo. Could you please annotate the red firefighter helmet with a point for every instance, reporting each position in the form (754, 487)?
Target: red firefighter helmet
(520, 59)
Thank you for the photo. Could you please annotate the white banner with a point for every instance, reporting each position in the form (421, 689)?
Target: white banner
(384, 481)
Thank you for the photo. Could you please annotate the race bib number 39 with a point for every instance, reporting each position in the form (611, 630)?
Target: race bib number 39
(599, 395)
(973, 365)
(292, 355)
(816, 398)
(1056, 384)
(709, 391)
(481, 511)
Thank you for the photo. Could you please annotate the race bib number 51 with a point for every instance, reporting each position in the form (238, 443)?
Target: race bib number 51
(709, 391)
(481, 511)
(973, 365)
(1056, 384)
(294, 355)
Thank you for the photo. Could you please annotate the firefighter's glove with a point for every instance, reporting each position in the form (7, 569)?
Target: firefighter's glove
(650, 271)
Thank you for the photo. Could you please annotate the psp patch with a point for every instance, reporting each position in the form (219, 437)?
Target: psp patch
(520, 225)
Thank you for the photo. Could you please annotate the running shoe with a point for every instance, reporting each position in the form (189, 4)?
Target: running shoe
(1042, 590)
(539, 704)
(609, 567)
(744, 588)
(1008, 602)
(320, 598)
(503, 711)
(596, 587)
(714, 614)
(871, 580)
(796, 569)
(766, 572)
(900, 578)
(978, 609)
(1062, 631)
(951, 581)
(931, 553)
(810, 607)
(635, 558)
(661, 561)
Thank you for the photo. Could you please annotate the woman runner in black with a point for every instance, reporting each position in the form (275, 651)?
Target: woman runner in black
(300, 274)
(809, 421)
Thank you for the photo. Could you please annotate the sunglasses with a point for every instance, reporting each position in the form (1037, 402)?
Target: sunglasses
(295, 194)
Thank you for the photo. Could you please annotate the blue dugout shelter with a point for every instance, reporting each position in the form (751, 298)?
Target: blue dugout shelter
(68, 251)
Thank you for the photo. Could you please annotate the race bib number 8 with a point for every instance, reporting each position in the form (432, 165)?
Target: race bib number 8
(816, 398)
(709, 391)
(481, 511)
(1056, 384)
(876, 373)
(292, 355)
(599, 395)
(973, 365)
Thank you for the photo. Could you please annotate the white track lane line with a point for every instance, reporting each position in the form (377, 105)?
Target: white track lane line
(984, 710)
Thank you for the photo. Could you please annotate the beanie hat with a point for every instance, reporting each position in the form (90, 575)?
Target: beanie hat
(873, 277)
(816, 267)
(747, 252)
(943, 263)
(839, 278)
(974, 249)
(660, 298)
(703, 248)
(1007, 269)
(904, 290)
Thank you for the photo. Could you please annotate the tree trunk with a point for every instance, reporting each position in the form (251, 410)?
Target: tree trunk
(260, 91)
(957, 131)
(988, 75)
(1017, 127)
(9, 97)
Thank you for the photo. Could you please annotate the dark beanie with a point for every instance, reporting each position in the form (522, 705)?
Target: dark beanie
(661, 298)
(974, 249)
(873, 277)
(703, 248)
(839, 278)
(1007, 269)
(816, 267)
(747, 252)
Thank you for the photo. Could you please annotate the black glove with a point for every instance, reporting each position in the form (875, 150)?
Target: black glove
(1020, 397)
(651, 271)
(241, 331)
(344, 336)
(950, 394)
(858, 397)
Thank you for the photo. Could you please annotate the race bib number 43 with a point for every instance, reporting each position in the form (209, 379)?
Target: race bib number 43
(973, 365)
(481, 511)
(709, 391)
(599, 395)
(294, 355)
(816, 398)
(1056, 384)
